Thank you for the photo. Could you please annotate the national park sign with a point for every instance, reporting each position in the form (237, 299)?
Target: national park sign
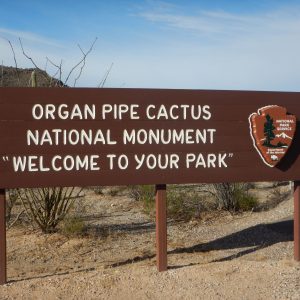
(272, 131)
(86, 137)
(66, 137)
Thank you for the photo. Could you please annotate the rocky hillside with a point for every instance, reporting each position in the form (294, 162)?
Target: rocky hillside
(12, 77)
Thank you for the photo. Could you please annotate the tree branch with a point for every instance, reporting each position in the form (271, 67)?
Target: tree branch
(2, 73)
(15, 60)
(32, 61)
(103, 81)
(59, 70)
(16, 219)
(81, 61)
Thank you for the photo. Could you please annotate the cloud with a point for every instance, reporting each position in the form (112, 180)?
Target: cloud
(225, 24)
(183, 22)
(223, 50)
(30, 37)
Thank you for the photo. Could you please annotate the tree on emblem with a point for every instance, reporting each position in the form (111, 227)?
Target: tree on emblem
(268, 131)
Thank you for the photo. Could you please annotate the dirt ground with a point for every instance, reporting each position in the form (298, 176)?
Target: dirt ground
(242, 256)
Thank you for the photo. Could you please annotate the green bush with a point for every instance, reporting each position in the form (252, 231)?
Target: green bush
(234, 196)
(113, 191)
(245, 201)
(147, 196)
(98, 190)
(182, 204)
(73, 226)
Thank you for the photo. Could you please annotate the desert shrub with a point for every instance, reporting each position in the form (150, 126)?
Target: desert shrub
(47, 207)
(135, 192)
(11, 201)
(224, 195)
(12, 212)
(276, 196)
(73, 226)
(182, 204)
(98, 190)
(147, 196)
(113, 191)
(245, 201)
(279, 193)
(233, 196)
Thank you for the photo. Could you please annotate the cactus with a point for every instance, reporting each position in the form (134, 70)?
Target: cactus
(33, 79)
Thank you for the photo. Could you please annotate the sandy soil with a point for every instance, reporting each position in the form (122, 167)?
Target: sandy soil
(245, 256)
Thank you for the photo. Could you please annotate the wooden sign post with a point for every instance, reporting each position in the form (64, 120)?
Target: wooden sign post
(161, 227)
(85, 137)
(297, 220)
(2, 238)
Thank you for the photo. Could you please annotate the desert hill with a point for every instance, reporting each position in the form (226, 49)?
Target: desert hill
(12, 77)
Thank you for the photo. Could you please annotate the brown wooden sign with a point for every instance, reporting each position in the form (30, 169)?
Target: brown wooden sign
(67, 137)
(84, 137)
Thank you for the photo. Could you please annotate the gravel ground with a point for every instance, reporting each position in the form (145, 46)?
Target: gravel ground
(244, 256)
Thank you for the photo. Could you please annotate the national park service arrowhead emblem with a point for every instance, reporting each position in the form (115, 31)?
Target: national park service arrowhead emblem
(272, 131)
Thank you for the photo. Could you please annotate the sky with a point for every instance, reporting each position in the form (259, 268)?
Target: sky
(220, 44)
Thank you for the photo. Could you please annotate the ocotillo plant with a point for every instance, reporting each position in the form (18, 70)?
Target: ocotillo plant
(46, 207)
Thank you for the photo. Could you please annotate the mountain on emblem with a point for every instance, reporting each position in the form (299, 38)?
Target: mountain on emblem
(272, 131)
(283, 135)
